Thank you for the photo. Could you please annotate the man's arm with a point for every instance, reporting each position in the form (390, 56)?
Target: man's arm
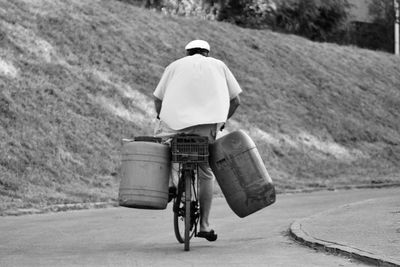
(160, 90)
(234, 90)
(233, 105)
(157, 105)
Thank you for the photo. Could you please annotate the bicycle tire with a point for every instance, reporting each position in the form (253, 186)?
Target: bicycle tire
(177, 228)
(179, 209)
(188, 201)
(179, 219)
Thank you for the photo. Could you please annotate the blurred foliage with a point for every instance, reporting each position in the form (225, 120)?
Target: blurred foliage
(318, 21)
(200, 8)
(324, 21)
(313, 19)
(249, 13)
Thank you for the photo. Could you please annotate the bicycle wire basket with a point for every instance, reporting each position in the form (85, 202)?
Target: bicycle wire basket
(189, 149)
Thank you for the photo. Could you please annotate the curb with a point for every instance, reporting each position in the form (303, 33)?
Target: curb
(345, 187)
(303, 237)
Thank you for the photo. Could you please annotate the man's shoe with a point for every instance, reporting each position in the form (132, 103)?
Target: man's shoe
(171, 193)
(210, 236)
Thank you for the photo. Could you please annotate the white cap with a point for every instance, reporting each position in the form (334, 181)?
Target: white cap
(198, 44)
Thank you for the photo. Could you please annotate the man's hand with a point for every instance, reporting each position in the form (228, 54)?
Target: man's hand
(233, 105)
(157, 105)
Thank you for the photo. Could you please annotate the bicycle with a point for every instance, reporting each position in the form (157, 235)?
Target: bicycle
(189, 151)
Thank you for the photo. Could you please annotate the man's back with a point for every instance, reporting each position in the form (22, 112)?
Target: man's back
(196, 90)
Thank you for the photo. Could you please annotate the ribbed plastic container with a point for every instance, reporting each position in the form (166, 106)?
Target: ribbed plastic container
(241, 173)
(145, 173)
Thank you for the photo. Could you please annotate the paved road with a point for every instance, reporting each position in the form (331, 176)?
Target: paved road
(131, 237)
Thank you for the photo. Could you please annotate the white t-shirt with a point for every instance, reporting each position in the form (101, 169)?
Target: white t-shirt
(196, 90)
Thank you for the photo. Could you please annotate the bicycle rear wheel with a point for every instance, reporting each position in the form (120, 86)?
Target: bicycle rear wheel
(180, 210)
(179, 215)
(188, 202)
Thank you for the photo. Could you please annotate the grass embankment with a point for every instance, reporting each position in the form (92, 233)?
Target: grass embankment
(77, 76)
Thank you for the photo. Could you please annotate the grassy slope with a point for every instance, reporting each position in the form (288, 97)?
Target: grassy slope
(77, 76)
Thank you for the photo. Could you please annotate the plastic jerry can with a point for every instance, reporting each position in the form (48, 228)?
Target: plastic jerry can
(241, 173)
(145, 170)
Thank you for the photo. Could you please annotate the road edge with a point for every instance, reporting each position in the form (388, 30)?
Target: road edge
(60, 208)
(301, 236)
(109, 204)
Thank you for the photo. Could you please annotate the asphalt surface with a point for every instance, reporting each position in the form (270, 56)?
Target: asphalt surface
(131, 237)
(368, 230)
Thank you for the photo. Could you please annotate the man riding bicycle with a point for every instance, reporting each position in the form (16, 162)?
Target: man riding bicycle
(196, 95)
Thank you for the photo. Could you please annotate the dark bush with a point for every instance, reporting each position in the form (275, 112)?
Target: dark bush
(317, 21)
(248, 13)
